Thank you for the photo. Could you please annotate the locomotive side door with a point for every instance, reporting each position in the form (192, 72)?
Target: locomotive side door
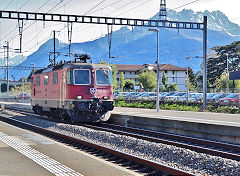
(63, 89)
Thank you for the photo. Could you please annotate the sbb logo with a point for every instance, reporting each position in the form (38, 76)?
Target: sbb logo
(93, 91)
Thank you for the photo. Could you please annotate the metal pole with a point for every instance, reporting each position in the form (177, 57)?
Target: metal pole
(187, 81)
(22, 78)
(54, 49)
(157, 100)
(205, 63)
(157, 103)
(227, 76)
(7, 69)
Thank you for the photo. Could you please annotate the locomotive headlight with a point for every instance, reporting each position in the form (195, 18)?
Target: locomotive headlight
(79, 97)
(105, 97)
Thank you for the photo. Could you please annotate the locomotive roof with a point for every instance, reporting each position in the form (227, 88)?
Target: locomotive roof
(72, 65)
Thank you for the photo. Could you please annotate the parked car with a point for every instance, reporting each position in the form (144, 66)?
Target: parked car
(23, 96)
(217, 97)
(142, 96)
(147, 96)
(134, 97)
(231, 100)
(162, 97)
(174, 97)
(130, 95)
(209, 95)
(119, 95)
(191, 97)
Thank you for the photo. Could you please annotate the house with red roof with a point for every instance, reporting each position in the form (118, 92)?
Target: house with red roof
(175, 75)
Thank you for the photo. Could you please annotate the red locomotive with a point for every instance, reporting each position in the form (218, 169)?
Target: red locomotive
(78, 91)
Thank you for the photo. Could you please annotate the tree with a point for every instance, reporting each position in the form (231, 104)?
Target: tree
(129, 84)
(192, 78)
(221, 83)
(173, 87)
(122, 80)
(217, 64)
(114, 75)
(148, 78)
(18, 89)
(164, 80)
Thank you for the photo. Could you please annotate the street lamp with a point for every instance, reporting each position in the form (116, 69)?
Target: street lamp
(227, 75)
(187, 80)
(7, 48)
(157, 101)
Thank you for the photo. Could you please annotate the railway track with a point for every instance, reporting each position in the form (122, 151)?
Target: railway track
(225, 150)
(132, 162)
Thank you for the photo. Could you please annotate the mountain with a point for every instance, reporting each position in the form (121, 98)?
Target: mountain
(138, 46)
(13, 61)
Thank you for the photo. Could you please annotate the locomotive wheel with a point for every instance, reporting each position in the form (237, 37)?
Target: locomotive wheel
(52, 113)
(105, 117)
(62, 115)
(39, 110)
(34, 109)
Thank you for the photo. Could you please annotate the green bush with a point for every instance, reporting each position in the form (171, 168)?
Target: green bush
(174, 106)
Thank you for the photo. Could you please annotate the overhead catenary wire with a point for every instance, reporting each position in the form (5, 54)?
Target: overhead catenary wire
(128, 10)
(35, 21)
(186, 4)
(26, 22)
(94, 7)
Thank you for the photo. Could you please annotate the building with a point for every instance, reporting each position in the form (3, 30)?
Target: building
(175, 75)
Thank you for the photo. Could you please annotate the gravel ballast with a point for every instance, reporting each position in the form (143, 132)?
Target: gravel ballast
(176, 157)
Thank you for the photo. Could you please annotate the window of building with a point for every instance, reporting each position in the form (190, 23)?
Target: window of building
(173, 79)
(46, 79)
(55, 78)
(173, 72)
(38, 80)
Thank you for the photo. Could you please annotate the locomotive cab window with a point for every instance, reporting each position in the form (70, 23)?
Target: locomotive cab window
(69, 76)
(46, 79)
(38, 80)
(103, 77)
(81, 76)
(55, 78)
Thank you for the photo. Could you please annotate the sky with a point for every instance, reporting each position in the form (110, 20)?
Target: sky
(36, 33)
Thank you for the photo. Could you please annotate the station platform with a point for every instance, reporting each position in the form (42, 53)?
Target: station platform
(188, 116)
(26, 153)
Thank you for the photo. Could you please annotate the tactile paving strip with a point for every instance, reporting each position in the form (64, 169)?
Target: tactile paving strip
(46, 162)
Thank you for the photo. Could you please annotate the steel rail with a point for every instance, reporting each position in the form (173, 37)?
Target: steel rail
(196, 144)
(156, 166)
(153, 136)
